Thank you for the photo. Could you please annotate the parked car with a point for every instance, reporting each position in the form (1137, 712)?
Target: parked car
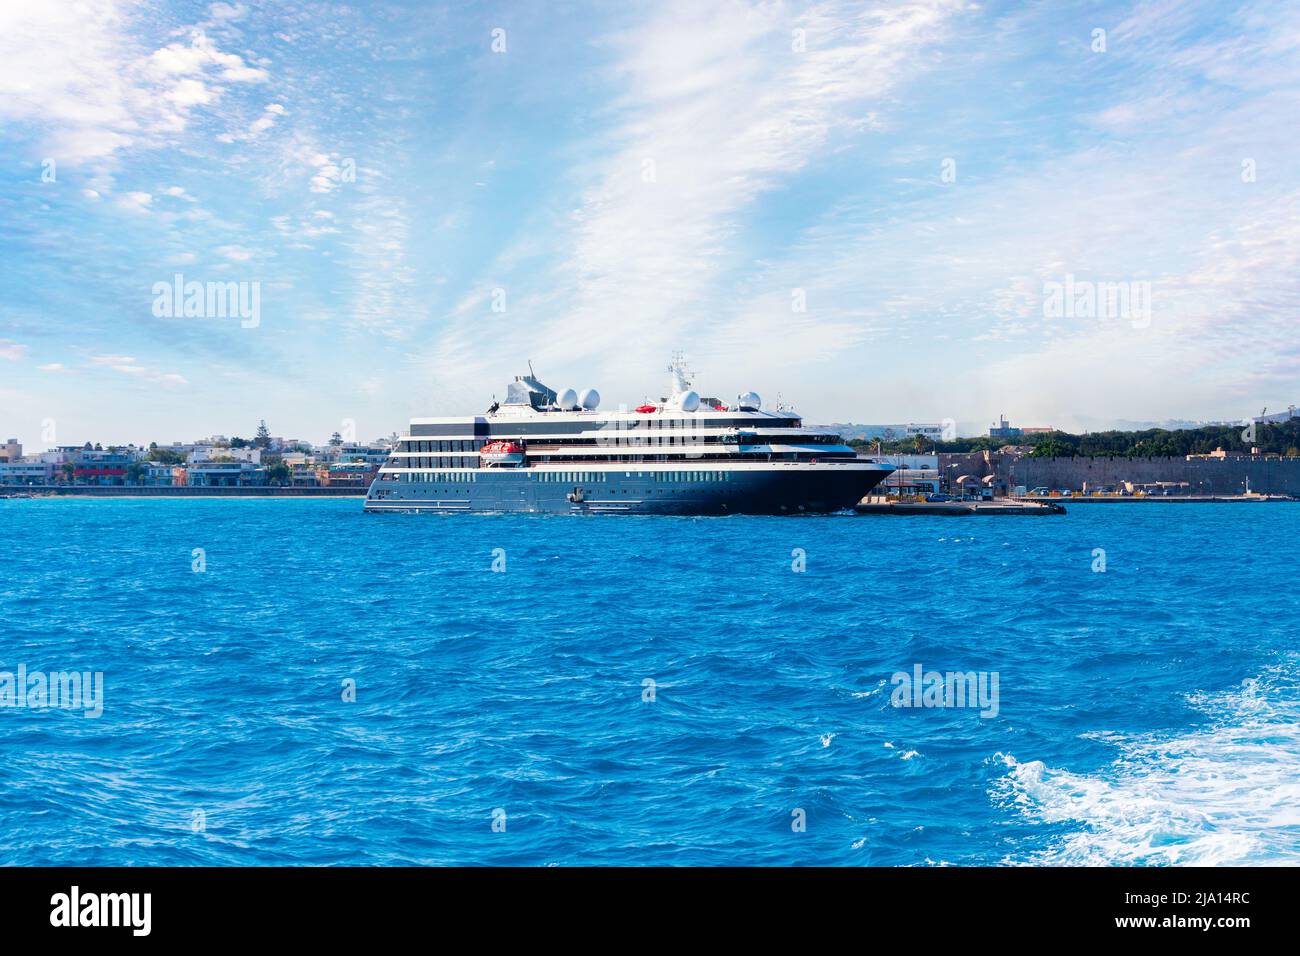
(939, 497)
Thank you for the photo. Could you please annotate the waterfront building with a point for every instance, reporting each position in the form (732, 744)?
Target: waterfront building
(211, 474)
(26, 472)
(348, 474)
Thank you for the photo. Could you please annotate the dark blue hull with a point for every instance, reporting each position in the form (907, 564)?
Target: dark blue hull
(780, 489)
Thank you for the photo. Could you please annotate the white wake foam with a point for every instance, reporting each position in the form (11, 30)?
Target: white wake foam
(1225, 794)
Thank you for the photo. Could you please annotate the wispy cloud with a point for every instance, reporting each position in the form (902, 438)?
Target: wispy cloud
(721, 105)
(78, 72)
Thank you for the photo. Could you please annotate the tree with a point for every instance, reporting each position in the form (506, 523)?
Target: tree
(165, 456)
(263, 438)
(134, 472)
(1053, 448)
(239, 442)
(69, 470)
(336, 439)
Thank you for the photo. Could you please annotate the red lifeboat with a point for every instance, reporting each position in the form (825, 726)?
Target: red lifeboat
(645, 409)
(496, 453)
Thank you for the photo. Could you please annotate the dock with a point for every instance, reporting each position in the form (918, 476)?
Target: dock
(1003, 506)
(1165, 499)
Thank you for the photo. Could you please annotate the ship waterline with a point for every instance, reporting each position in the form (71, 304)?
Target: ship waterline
(540, 451)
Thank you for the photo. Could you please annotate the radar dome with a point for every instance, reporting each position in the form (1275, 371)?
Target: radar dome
(589, 399)
(689, 401)
(750, 400)
(567, 400)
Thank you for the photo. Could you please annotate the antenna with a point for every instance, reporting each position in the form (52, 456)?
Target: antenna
(531, 373)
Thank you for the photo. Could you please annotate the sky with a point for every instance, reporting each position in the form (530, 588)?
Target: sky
(863, 210)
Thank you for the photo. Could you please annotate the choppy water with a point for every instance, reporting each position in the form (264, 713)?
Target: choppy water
(1148, 714)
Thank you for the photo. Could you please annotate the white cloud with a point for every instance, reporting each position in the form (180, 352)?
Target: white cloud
(718, 111)
(258, 126)
(135, 201)
(74, 71)
(227, 11)
(126, 365)
(11, 350)
(235, 253)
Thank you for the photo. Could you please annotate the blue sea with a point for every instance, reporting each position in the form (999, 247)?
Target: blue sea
(295, 682)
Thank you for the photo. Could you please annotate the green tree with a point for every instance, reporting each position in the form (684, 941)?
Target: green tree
(263, 437)
(1052, 449)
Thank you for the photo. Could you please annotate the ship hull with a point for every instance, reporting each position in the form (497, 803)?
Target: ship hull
(782, 488)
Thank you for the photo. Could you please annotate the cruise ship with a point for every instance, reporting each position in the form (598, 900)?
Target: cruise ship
(548, 452)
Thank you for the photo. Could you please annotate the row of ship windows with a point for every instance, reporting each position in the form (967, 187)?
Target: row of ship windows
(472, 461)
(568, 477)
(472, 445)
(431, 446)
(426, 476)
(592, 477)
(460, 461)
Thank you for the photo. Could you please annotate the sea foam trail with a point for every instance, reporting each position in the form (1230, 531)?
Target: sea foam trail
(1227, 794)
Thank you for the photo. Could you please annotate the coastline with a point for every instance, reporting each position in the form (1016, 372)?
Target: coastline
(125, 491)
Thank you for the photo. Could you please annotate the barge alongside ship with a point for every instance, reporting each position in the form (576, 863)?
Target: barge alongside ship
(543, 451)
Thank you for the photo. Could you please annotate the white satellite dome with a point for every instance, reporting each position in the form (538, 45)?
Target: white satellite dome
(688, 401)
(568, 399)
(589, 399)
(749, 400)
